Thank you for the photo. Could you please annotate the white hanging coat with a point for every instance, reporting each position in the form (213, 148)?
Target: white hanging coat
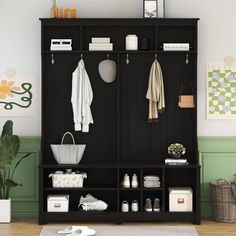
(81, 98)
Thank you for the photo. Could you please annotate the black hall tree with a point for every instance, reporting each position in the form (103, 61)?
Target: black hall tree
(120, 140)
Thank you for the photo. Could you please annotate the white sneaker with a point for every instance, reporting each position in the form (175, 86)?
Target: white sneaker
(126, 181)
(125, 206)
(90, 203)
(134, 182)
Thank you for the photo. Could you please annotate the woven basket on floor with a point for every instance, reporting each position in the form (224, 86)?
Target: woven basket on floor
(224, 202)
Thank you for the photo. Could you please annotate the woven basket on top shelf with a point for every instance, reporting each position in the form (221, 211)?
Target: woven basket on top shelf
(224, 202)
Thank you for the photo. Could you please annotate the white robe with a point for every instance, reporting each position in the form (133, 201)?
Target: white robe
(81, 98)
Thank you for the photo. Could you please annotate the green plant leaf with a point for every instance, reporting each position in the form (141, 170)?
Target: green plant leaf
(2, 164)
(6, 148)
(10, 183)
(15, 145)
(7, 129)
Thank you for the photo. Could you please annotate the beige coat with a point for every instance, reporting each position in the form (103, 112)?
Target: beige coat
(155, 93)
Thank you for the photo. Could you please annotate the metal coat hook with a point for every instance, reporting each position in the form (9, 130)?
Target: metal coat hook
(52, 60)
(81, 56)
(155, 57)
(127, 59)
(187, 59)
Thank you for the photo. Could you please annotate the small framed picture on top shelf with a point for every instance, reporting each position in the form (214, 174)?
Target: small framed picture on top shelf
(153, 8)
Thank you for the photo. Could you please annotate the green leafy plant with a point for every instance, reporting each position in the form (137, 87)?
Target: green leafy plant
(9, 147)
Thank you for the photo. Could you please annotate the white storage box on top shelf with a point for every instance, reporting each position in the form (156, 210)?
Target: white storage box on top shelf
(58, 203)
(180, 200)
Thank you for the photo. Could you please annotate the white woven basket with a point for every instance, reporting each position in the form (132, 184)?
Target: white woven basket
(68, 180)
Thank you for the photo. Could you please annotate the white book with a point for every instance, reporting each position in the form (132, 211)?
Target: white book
(100, 47)
(170, 160)
(60, 48)
(176, 46)
(100, 40)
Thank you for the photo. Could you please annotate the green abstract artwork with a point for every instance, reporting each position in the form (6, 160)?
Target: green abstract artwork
(221, 91)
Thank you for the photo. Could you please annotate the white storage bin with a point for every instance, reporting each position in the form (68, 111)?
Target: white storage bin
(64, 180)
(180, 200)
(58, 203)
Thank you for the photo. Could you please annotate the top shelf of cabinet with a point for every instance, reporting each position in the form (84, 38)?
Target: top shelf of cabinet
(118, 52)
(119, 21)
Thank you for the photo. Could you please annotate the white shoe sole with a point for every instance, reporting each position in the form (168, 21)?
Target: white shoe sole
(148, 210)
(156, 210)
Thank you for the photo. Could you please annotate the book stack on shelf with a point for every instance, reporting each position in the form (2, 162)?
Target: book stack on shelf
(101, 44)
(175, 162)
(61, 45)
(176, 46)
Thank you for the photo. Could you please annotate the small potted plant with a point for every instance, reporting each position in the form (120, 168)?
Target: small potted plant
(9, 147)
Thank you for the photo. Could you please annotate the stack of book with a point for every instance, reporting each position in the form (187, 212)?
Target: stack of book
(61, 45)
(101, 44)
(175, 162)
(176, 46)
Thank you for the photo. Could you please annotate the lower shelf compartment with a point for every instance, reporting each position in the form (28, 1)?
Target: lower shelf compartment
(117, 217)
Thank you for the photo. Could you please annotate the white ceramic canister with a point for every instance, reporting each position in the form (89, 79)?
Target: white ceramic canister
(131, 42)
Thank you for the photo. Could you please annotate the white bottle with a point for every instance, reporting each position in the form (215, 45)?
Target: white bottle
(131, 42)
(134, 182)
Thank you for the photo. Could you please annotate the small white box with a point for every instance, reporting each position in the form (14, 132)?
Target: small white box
(180, 200)
(100, 40)
(58, 203)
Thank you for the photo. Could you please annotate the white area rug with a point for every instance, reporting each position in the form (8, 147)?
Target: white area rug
(130, 230)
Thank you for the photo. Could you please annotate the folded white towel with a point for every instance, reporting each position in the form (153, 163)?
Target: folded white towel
(151, 177)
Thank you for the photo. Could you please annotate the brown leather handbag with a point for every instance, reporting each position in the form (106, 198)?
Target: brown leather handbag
(186, 101)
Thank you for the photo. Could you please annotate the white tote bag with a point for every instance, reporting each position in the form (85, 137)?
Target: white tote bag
(68, 153)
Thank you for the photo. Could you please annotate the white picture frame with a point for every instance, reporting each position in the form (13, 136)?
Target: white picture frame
(154, 8)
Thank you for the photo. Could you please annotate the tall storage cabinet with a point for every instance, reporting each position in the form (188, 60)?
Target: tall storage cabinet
(120, 140)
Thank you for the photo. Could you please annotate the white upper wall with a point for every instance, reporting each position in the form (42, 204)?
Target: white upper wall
(20, 43)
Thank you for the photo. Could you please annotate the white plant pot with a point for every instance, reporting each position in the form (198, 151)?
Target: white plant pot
(5, 210)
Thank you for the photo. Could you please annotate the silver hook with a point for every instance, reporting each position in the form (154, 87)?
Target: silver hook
(187, 59)
(127, 59)
(52, 60)
(108, 55)
(81, 56)
(155, 57)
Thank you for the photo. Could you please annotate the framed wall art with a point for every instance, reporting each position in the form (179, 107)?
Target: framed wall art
(153, 8)
(17, 94)
(221, 91)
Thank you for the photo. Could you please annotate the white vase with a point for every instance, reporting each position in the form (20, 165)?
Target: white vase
(5, 210)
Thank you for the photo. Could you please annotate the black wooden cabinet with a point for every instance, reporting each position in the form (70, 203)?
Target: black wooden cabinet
(120, 141)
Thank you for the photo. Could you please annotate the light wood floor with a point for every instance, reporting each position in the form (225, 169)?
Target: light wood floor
(29, 227)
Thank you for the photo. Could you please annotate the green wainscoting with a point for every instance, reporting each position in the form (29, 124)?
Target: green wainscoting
(25, 198)
(217, 156)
